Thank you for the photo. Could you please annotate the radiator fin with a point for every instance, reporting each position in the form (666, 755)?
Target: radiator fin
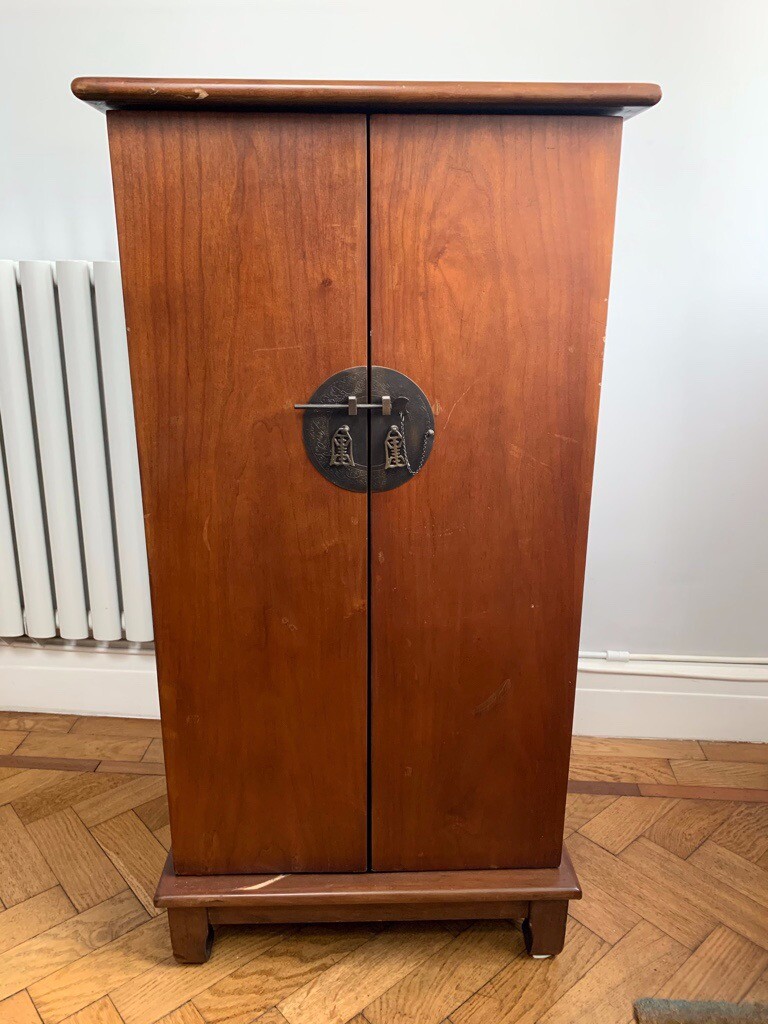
(50, 409)
(126, 487)
(73, 560)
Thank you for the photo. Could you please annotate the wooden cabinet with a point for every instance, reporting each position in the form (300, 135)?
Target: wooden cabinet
(366, 672)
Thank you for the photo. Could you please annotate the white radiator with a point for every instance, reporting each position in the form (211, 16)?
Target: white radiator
(73, 561)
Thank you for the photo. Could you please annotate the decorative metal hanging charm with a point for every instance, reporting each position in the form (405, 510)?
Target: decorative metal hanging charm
(394, 449)
(341, 447)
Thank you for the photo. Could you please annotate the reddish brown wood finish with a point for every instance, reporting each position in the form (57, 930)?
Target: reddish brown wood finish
(191, 934)
(194, 903)
(338, 913)
(243, 250)
(621, 99)
(378, 887)
(544, 928)
(490, 261)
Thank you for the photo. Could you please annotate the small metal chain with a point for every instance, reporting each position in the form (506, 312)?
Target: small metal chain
(425, 444)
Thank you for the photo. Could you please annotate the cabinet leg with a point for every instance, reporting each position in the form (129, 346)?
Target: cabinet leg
(544, 928)
(191, 934)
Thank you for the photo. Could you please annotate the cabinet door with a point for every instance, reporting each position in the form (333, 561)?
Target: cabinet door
(243, 249)
(490, 256)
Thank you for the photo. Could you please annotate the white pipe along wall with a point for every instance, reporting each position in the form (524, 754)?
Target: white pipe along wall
(678, 553)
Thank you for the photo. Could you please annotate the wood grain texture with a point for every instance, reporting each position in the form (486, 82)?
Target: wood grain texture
(758, 796)
(280, 970)
(73, 987)
(18, 1009)
(360, 978)
(668, 906)
(131, 767)
(731, 869)
(64, 764)
(759, 991)
(163, 836)
(188, 1014)
(448, 977)
(544, 928)
(274, 1016)
(39, 744)
(583, 807)
(18, 720)
(702, 890)
(720, 751)
(163, 988)
(154, 752)
(67, 942)
(95, 809)
(610, 769)
(123, 727)
(725, 966)
(33, 916)
(448, 911)
(135, 852)
(596, 788)
(746, 775)
(625, 820)
(23, 870)
(20, 782)
(369, 889)
(623, 99)
(73, 788)
(243, 253)
(490, 263)
(11, 740)
(81, 867)
(605, 747)
(636, 966)
(603, 914)
(71, 960)
(191, 935)
(154, 813)
(745, 832)
(100, 1012)
(524, 990)
(687, 824)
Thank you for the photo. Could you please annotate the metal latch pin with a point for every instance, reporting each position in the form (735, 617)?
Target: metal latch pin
(352, 405)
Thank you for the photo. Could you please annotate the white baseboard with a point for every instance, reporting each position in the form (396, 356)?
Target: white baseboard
(672, 700)
(78, 682)
(685, 700)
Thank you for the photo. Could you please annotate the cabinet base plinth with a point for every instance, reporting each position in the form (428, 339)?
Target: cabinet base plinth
(538, 897)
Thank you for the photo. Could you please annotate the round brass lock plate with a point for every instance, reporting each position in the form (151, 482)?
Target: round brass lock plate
(397, 440)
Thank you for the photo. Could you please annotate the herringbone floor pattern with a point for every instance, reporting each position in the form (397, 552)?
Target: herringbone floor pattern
(670, 839)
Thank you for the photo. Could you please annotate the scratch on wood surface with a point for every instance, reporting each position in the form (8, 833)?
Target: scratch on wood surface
(521, 453)
(262, 885)
(463, 395)
(494, 699)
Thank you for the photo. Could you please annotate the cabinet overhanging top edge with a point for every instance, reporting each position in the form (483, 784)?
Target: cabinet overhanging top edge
(607, 99)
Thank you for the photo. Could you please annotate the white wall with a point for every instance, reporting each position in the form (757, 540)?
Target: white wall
(678, 558)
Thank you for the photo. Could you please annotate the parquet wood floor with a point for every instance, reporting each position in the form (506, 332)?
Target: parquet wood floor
(670, 839)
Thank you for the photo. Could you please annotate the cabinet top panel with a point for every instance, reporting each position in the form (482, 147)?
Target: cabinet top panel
(601, 98)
